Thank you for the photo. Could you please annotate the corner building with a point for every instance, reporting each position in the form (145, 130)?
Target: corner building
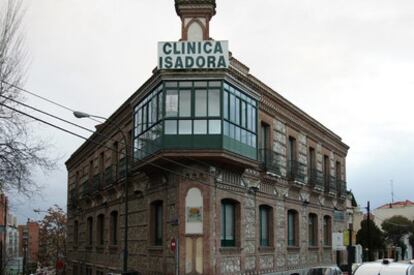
(220, 166)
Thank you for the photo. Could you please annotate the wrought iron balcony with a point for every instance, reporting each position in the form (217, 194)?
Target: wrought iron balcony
(330, 184)
(296, 171)
(122, 168)
(270, 160)
(316, 178)
(108, 176)
(341, 187)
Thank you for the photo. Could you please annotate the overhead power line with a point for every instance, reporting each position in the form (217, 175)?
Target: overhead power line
(127, 155)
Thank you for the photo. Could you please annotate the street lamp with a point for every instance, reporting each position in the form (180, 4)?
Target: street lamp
(78, 114)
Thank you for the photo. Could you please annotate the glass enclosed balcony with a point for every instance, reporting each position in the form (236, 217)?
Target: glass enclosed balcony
(196, 115)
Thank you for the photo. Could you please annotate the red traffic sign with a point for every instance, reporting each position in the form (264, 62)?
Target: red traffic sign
(59, 264)
(173, 245)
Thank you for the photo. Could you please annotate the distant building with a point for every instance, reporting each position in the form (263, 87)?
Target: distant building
(399, 208)
(14, 263)
(219, 165)
(29, 242)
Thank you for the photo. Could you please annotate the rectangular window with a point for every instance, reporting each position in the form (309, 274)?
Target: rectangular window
(243, 114)
(185, 103)
(214, 127)
(292, 227)
(326, 170)
(171, 103)
(327, 230)
(160, 106)
(184, 127)
(227, 224)
(312, 230)
(158, 223)
(139, 122)
(170, 127)
(154, 110)
(232, 108)
(292, 149)
(200, 103)
(237, 111)
(214, 102)
(264, 214)
(200, 127)
(226, 105)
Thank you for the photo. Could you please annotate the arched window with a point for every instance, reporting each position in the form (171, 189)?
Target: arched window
(313, 229)
(327, 230)
(114, 228)
(101, 229)
(266, 225)
(89, 228)
(76, 233)
(292, 228)
(230, 219)
(157, 221)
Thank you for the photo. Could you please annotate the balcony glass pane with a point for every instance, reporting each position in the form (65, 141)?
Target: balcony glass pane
(185, 103)
(171, 103)
(160, 105)
(214, 102)
(184, 127)
(232, 108)
(200, 127)
(200, 103)
(225, 105)
(214, 126)
(171, 127)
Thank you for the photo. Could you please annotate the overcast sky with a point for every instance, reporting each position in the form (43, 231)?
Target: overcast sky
(348, 63)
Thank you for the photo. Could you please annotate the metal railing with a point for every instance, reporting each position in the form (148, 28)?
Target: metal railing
(270, 160)
(315, 178)
(296, 171)
(341, 187)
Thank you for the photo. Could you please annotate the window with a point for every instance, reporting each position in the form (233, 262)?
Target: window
(327, 230)
(214, 102)
(89, 227)
(313, 229)
(200, 127)
(101, 229)
(114, 228)
(228, 222)
(326, 170)
(185, 103)
(292, 222)
(157, 222)
(115, 157)
(292, 149)
(88, 271)
(200, 103)
(75, 233)
(265, 216)
(171, 103)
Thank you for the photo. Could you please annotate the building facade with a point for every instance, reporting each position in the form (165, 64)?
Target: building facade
(223, 174)
(29, 244)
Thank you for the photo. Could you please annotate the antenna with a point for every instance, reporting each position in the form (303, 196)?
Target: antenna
(392, 191)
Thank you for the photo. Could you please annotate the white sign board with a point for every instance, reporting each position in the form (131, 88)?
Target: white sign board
(338, 241)
(182, 55)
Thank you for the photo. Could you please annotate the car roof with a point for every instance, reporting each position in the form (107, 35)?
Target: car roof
(384, 269)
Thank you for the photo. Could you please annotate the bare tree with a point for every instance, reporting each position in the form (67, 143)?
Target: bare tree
(20, 152)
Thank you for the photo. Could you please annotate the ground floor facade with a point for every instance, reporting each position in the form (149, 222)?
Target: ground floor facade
(219, 220)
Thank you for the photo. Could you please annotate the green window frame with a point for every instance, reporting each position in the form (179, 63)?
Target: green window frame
(158, 221)
(292, 221)
(265, 225)
(313, 229)
(228, 223)
(327, 229)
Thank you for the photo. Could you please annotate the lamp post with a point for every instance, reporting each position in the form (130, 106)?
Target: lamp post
(78, 114)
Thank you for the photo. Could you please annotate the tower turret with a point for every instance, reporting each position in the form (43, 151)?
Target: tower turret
(195, 18)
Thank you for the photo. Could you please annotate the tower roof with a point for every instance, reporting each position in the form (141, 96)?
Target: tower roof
(183, 7)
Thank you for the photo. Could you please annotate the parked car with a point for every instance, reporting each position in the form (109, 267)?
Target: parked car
(384, 268)
(325, 270)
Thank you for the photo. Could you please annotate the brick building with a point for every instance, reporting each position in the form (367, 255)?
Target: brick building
(240, 178)
(29, 243)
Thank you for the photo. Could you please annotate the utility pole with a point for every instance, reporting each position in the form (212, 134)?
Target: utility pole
(369, 229)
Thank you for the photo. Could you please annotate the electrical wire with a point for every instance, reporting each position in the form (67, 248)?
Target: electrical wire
(127, 155)
(91, 118)
(97, 132)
